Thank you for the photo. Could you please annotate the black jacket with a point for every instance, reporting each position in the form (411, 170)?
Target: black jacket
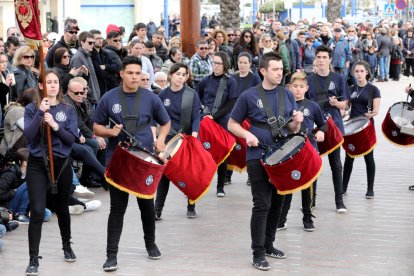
(10, 180)
(85, 120)
(50, 57)
(114, 66)
(64, 75)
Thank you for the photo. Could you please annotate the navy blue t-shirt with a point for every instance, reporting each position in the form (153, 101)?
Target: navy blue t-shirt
(62, 140)
(359, 98)
(151, 108)
(312, 116)
(172, 103)
(207, 91)
(249, 106)
(244, 83)
(337, 87)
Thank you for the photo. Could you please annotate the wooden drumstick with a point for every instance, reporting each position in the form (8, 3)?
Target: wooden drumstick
(130, 136)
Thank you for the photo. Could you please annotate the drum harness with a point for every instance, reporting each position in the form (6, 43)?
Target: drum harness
(219, 96)
(186, 112)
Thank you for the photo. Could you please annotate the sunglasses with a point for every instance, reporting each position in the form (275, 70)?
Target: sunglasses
(217, 63)
(263, 30)
(73, 32)
(230, 34)
(116, 40)
(28, 57)
(144, 79)
(91, 42)
(66, 56)
(15, 34)
(267, 41)
(78, 93)
(202, 48)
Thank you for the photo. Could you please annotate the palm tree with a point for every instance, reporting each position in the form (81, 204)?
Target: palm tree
(334, 9)
(230, 13)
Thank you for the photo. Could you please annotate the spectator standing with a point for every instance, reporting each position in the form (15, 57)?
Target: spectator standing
(384, 50)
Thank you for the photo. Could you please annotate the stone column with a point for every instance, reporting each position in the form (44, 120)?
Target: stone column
(190, 25)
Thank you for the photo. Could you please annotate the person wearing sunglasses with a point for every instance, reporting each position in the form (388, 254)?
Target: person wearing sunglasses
(115, 55)
(69, 40)
(62, 67)
(23, 62)
(201, 64)
(82, 59)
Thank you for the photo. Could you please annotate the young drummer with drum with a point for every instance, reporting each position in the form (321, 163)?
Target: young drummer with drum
(181, 102)
(267, 203)
(133, 109)
(330, 91)
(364, 105)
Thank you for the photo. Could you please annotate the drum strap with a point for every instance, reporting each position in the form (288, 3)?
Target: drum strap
(220, 93)
(186, 110)
(370, 99)
(130, 116)
(322, 89)
(273, 122)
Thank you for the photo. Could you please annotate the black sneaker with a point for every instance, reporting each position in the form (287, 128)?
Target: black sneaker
(32, 268)
(282, 226)
(11, 225)
(191, 214)
(158, 214)
(261, 263)
(153, 252)
(274, 253)
(227, 181)
(68, 252)
(411, 188)
(220, 192)
(110, 264)
(341, 208)
(308, 223)
(369, 194)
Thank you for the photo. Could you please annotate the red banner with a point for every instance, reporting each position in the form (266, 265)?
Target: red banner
(27, 15)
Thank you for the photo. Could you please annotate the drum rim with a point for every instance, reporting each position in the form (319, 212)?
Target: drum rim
(177, 147)
(153, 155)
(367, 121)
(289, 136)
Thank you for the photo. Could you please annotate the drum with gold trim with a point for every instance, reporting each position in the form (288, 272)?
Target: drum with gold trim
(398, 124)
(333, 138)
(359, 138)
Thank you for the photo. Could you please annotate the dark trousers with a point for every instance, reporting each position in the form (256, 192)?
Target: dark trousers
(395, 71)
(38, 188)
(221, 174)
(267, 207)
(85, 153)
(307, 195)
(369, 162)
(409, 67)
(162, 192)
(336, 168)
(119, 203)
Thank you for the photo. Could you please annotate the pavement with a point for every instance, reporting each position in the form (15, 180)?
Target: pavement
(375, 237)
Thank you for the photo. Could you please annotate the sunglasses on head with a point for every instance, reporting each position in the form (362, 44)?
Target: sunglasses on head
(28, 57)
(73, 32)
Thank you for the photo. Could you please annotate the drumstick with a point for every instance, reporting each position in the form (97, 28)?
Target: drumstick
(130, 136)
(290, 119)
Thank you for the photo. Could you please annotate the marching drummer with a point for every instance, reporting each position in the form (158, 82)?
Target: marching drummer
(209, 89)
(365, 101)
(330, 91)
(312, 115)
(173, 98)
(119, 105)
(267, 203)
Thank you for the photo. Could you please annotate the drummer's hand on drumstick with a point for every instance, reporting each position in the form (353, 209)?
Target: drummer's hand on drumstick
(369, 115)
(409, 89)
(159, 145)
(251, 140)
(116, 130)
(333, 101)
(297, 116)
(320, 136)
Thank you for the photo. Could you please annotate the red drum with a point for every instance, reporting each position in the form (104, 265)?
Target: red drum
(135, 170)
(398, 125)
(237, 158)
(333, 138)
(216, 140)
(190, 167)
(292, 164)
(359, 138)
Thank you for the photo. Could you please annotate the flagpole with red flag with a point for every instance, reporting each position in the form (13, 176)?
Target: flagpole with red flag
(28, 18)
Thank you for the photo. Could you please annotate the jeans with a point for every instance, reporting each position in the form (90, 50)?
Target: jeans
(383, 63)
(267, 207)
(20, 201)
(2, 233)
(38, 189)
(370, 164)
(372, 70)
(75, 180)
(119, 203)
(86, 155)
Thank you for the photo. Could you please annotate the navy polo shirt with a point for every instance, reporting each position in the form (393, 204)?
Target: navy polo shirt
(249, 106)
(172, 103)
(151, 108)
(312, 116)
(62, 140)
(359, 98)
(244, 83)
(337, 87)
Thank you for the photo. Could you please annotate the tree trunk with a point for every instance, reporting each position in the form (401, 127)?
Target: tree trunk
(334, 10)
(230, 14)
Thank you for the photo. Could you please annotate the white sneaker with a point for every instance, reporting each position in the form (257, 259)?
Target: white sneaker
(76, 210)
(83, 192)
(92, 205)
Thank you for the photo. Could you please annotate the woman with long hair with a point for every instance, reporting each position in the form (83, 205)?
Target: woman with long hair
(23, 62)
(62, 67)
(247, 43)
(62, 120)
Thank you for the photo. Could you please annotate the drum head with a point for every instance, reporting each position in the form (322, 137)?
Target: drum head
(355, 125)
(284, 150)
(172, 147)
(402, 115)
(144, 156)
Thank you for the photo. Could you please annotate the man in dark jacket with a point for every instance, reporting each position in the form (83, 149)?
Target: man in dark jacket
(114, 52)
(69, 40)
(162, 51)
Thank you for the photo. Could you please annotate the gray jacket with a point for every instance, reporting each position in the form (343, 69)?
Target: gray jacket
(384, 45)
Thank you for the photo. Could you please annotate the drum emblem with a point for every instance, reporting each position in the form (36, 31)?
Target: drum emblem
(296, 175)
(394, 133)
(354, 95)
(306, 112)
(60, 116)
(351, 147)
(237, 147)
(116, 108)
(167, 102)
(149, 180)
(181, 184)
(259, 103)
(206, 145)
